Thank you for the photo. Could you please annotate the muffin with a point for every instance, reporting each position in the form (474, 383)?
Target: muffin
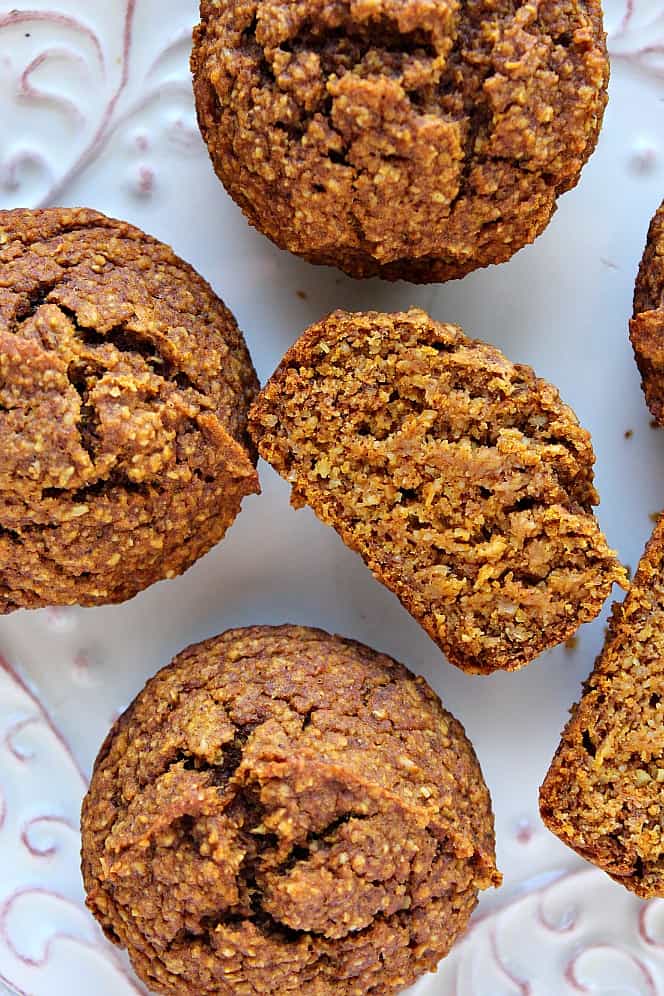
(284, 811)
(461, 479)
(646, 328)
(604, 792)
(400, 138)
(124, 390)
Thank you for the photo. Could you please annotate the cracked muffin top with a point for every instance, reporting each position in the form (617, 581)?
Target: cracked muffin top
(647, 326)
(284, 811)
(414, 139)
(462, 479)
(124, 388)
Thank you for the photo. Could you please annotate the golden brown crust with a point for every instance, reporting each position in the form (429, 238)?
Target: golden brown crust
(604, 792)
(462, 480)
(124, 389)
(400, 138)
(646, 329)
(281, 811)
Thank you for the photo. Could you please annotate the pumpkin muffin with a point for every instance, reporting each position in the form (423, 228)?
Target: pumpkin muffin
(124, 389)
(461, 478)
(284, 811)
(604, 792)
(400, 138)
(647, 326)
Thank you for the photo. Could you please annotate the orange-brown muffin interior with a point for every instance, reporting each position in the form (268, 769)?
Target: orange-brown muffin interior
(462, 479)
(604, 792)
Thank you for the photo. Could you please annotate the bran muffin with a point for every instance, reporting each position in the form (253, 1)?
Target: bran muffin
(284, 811)
(604, 792)
(462, 480)
(400, 138)
(124, 389)
(646, 328)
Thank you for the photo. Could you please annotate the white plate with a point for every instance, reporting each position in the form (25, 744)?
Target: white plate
(96, 109)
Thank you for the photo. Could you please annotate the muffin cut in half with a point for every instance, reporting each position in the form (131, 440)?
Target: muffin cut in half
(604, 792)
(124, 390)
(284, 811)
(407, 139)
(646, 328)
(462, 480)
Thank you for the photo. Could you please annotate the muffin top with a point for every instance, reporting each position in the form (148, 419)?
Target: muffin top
(649, 289)
(406, 138)
(647, 325)
(124, 387)
(281, 809)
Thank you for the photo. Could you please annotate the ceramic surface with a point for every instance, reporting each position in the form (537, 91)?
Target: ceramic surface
(96, 109)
